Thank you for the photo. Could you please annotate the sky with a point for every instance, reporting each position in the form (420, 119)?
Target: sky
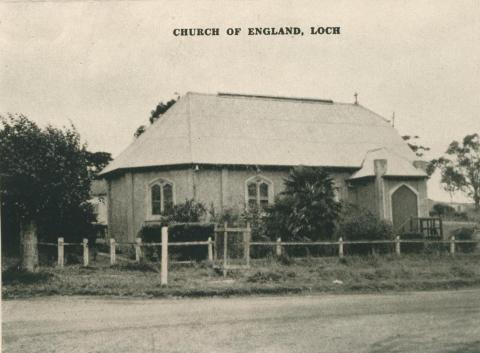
(103, 66)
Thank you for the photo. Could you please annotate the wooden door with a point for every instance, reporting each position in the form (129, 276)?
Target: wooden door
(404, 207)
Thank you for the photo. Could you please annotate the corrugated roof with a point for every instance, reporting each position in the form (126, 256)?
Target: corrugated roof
(396, 165)
(261, 130)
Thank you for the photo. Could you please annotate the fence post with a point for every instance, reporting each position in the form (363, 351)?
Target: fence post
(112, 251)
(278, 247)
(215, 242)
(85, 252)
(60, 252)
(246, 238)
(452, 245)
(225, 239)
(340, 247)
(138, 249)
(164, 268)
(397, 245)
(210, 250)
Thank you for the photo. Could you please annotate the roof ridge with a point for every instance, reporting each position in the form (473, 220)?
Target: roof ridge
(371, 111)
(229, 129)
(275, 97)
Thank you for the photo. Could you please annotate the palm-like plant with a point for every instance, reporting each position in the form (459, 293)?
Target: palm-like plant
(307, 209)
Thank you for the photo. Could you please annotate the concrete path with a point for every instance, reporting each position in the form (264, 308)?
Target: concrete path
(443, 321)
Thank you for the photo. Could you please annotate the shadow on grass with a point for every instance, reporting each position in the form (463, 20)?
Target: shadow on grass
(141, 267)
(13, 275)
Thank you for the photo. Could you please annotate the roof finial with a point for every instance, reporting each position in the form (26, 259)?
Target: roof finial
(356, 97)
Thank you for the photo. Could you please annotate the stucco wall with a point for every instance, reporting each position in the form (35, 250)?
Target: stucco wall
(232, 194)
(363, 195)
(220, 187)
(225, 188)
(117, 211)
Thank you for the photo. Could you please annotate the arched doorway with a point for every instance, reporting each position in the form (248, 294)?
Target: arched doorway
(404, 206)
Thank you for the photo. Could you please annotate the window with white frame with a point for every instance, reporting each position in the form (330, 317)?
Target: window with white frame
(161, 197)
(259, 192)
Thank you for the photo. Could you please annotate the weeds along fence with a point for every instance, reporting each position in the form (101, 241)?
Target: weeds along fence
(232, 247)
(60, 245)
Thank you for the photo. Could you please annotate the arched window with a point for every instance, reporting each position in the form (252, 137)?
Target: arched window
(161, 197)
(156, 199)
(259, 192)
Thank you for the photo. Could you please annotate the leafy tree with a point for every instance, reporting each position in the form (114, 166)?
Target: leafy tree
(307, 209)
(414, 146)
(96, 161)
(160, 109)
(47, 182)
(419, 151)
(155, 114)
(460, 168)
(140, 130)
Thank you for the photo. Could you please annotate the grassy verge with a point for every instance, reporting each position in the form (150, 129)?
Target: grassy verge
(331, 275)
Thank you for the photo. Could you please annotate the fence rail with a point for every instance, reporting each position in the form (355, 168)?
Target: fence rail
(222, 233)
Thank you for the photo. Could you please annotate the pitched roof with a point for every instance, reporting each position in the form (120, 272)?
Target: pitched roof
(261, 130)
(397, 165)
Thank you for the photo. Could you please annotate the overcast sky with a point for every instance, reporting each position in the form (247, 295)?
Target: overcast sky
(104, 65)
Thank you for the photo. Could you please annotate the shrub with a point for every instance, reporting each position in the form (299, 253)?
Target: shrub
(409, 248)
(187, 215)
(307, 209)
(189, 211)
(229, 215)
(460, 216)
(357, 224)
(177, 233)
(255, 217)
(440, 209)
(465, 234)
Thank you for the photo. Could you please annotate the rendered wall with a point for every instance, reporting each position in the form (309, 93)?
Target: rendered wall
(221, 187)
(117, 208)
(128, 198)
(363, 195)
(224, 188)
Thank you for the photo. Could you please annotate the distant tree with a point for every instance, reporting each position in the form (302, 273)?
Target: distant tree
(96, 161)
(306, 209)
(47, 182)
(160, 109)
(419, 151)
(440, 209)
(140, 130)
(155, 114)
(414, 146)
(460, 168)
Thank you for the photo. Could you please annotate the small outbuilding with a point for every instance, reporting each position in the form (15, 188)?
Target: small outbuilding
(232, 151)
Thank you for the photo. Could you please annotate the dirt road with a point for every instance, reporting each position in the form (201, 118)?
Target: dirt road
(443, 321)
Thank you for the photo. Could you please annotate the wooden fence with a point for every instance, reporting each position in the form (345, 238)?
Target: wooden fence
(61, 250)
(278, 245)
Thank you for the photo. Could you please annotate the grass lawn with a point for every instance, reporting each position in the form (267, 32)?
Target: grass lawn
(309, 275)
